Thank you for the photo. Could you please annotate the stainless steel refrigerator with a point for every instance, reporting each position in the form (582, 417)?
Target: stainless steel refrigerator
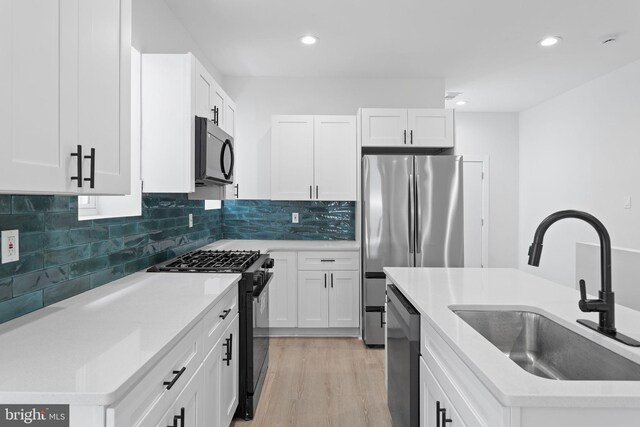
(411, 217)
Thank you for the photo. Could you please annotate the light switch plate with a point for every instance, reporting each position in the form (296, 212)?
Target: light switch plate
(10, 246)
(295, 218)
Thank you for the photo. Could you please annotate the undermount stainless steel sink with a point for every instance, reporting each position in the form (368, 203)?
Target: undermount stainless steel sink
(547, 349)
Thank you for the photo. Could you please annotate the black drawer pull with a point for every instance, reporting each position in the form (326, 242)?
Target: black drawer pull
(177, 374)
(225, 313)
(79, 158)
(331, 280)
(327, 260)
(177, 418)
(382, 322)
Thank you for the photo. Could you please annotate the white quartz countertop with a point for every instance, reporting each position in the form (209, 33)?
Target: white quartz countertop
(433, 291)
(285, 245)
(90, 349)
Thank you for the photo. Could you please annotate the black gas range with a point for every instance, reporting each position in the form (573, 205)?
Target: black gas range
(255, 269)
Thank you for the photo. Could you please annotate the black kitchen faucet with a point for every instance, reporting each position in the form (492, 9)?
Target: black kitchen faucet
(605, 305)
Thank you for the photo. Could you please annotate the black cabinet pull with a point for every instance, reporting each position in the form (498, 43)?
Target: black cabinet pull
(229, 352)
(411, 137)
(441, 416)
(177, 418)
(331, 280)
(177, 374)
(311, 191)
(405, 137)
(327, 260)
(79, 158)
(92, 172)
(215, 115)
(225, 313)
(237, 191)
(316, 191)
(382, 322)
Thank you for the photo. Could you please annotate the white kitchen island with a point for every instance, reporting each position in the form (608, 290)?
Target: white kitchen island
(477, 383)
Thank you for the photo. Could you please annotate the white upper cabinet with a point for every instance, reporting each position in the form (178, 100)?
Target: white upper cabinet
(292, 158)
(423, 127)
(218, 97)
(430, 127)
(72, 61)
(175, 89)
(230, 116)
(335, 157)
(313, 158)
(384, 127)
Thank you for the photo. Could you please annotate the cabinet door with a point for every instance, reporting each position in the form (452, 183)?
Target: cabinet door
(187, 406)
(211, 373)
(344, 299)
(384, 127)
(104, 93)
(218, 100)
(32, 138)
(204, 90)
(313, 299)
(335, 157)
(229, 380)
(283, 291)
(430, 127)
(292, 158)
(435, 407)
(230, 116)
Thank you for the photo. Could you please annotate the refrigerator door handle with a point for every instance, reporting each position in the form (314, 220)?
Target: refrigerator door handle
(412, 236)
(418, 215)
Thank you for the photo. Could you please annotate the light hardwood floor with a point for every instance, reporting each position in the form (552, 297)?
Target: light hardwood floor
(322, 382)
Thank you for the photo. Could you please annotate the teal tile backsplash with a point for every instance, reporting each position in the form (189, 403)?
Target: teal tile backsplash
(61, 257)
(271, 220)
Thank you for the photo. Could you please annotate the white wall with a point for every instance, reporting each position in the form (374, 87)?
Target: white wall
(495, 135)
(581, 150)
(155, 29)
(257, 99)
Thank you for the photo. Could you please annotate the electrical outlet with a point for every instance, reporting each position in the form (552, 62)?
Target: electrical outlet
(10, 246)
(295, 218)
(190, 220)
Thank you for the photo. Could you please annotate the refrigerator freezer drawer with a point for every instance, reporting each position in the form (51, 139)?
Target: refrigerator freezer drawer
(374, 326)
(374, 292)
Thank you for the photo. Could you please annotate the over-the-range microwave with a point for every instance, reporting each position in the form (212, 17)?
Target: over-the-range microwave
(214, 154)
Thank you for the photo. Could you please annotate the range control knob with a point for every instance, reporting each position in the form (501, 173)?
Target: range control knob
(268, 263)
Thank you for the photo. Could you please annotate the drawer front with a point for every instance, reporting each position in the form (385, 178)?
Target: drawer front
(329, 260)
(472, 400)
(151, 397)
(219, 318)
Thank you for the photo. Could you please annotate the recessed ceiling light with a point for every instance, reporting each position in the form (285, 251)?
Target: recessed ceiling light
(461, 103)
(309, 40)
(549, 41)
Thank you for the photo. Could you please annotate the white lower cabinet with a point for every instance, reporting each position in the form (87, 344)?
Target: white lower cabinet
(328, 299)
(435, 409)
(220, 372)
(186, 410)
(283, 291)
(195, 384)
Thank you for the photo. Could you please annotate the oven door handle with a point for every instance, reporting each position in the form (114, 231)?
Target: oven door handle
(259, 291)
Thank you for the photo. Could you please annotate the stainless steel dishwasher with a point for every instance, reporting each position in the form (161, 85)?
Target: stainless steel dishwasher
(403, 360)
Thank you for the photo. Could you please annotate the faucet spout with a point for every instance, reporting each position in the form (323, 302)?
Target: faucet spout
(535, 250)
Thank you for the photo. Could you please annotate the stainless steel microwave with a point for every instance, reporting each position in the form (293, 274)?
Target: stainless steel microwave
(214, 154)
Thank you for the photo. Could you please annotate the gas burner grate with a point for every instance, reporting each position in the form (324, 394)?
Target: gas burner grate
(212, 261)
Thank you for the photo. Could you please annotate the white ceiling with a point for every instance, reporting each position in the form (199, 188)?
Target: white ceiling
(486, 49)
